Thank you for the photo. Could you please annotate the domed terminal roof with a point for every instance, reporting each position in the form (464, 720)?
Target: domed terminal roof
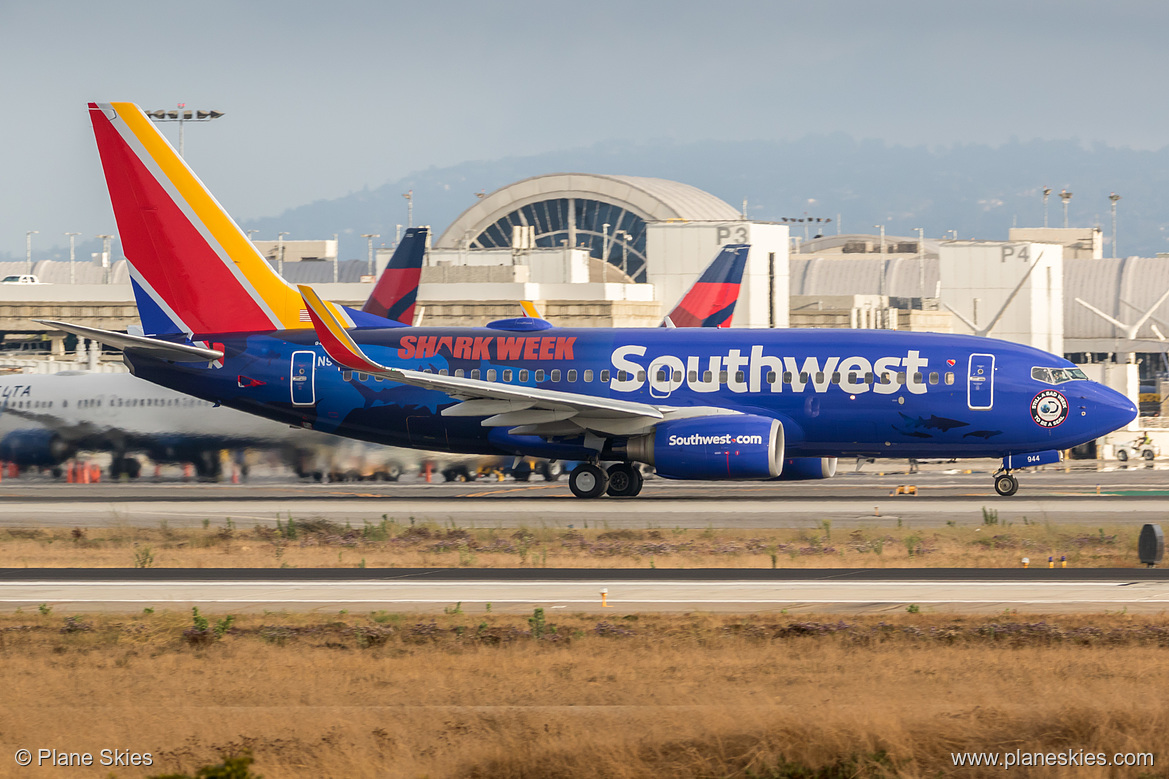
(605, 214)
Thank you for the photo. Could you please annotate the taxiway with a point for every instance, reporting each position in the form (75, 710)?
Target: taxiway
(943, 495)
(840, 591)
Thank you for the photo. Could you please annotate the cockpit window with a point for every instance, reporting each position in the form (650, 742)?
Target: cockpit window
(1057, 375)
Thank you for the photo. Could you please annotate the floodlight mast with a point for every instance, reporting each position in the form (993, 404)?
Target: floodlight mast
(369, 238)
(28, 247)
(182, 116)
(1066, 197)
(1114, 197)
(72, 257)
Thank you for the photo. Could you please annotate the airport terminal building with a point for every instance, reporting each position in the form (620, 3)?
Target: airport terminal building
(614, 250)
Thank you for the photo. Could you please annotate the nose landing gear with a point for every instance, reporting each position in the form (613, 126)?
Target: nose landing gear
(1005, 484)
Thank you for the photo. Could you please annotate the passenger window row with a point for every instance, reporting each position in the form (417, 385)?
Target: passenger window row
(787, 377)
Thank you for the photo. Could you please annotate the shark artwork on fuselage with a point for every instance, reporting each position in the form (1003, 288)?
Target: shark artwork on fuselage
(709, 404)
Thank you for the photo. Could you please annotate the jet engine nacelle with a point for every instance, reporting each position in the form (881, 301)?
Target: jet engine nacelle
(739, 446)
(805, 468)
(35, 448)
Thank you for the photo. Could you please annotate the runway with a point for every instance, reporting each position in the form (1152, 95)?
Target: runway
(845, 591)
(944, 495)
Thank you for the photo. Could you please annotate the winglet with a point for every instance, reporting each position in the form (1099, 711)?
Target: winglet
(331, 333)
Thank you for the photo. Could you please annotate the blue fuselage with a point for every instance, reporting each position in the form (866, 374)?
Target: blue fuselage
(837, 392)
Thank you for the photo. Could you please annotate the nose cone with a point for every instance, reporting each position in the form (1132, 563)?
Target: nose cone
(1108, 410)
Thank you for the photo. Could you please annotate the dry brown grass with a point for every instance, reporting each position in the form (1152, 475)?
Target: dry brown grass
(690, 696)
(320, 544)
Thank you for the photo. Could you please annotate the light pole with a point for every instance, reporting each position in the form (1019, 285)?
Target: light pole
(250, 234)
(28, 247)
(624, 250)
(336, 257)
(1066, 197)
(280, 253)
(1046, 192)
(921, 265)
(182, 116)
(1114, 197)
(369, 237)
(105, 257)
(882, 229)
(73, 237)
(409, 208)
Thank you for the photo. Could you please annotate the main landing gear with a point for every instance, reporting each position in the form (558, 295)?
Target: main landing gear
(625, 480)
(1005, 484)
(622, 480)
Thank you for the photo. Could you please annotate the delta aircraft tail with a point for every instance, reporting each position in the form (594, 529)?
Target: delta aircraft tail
(193, 270)
(396, 292)
(711, 301)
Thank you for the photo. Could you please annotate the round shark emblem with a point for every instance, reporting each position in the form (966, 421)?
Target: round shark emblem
(1049, 408)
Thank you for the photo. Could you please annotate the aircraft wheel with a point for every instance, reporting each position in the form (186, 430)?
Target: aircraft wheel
(588, 481)
(1006, 485)
(132, 467)
(1122, 455)
(551, 471)
(1148, 454)
(393, 471)
(625, 480)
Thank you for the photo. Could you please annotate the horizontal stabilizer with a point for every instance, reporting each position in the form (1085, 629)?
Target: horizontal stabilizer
(151, 347)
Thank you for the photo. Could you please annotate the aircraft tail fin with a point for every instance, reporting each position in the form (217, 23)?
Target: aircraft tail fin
(711, 301)
(194, 270)
(396, 292)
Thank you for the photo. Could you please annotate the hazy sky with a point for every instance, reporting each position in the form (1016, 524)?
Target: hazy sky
(322, 99)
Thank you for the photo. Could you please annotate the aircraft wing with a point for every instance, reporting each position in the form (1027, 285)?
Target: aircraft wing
(151, 347)
(539, 411)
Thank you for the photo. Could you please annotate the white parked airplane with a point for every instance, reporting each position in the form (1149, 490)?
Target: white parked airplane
(47, 419)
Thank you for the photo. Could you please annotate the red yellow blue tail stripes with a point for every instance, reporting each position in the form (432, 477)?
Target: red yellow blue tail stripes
(187, 253)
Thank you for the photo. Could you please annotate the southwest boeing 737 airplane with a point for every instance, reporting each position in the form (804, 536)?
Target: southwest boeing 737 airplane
(708, 404)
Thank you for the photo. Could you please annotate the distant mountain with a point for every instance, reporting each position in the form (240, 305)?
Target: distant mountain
(979, 191)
